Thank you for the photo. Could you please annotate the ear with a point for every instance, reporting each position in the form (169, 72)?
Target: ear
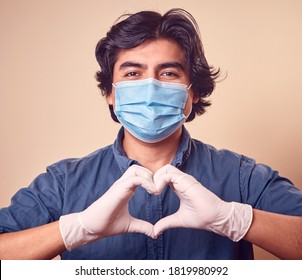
(195, 97)
(109, 99)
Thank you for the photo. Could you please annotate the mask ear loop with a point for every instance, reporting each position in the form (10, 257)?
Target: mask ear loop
(113, 85)
(186, 116)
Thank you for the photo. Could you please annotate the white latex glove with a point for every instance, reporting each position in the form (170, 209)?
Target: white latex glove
(109, 215)
(201, 209)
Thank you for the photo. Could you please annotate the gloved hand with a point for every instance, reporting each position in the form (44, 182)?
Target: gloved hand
(200, 208)
(108, 215)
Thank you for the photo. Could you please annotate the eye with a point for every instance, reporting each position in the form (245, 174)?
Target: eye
(170, 74)
(131, 74)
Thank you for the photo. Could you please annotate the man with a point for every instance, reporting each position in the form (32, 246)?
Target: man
(155, 193)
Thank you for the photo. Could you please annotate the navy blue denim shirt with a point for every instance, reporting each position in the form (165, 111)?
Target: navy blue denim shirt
(71, 185)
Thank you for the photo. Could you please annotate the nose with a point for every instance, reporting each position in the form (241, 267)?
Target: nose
(152, 73)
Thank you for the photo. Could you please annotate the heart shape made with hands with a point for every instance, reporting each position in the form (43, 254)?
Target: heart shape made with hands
(169, 175)
(109, 215)
(199, 209)
(197, 204)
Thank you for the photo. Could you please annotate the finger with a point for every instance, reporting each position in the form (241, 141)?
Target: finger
(170, 174)
(140, 226)
(135, 176)
(166, 223)
(136, 170)
(145, 175)
(132, 182)
(162, 177)
(122, 191)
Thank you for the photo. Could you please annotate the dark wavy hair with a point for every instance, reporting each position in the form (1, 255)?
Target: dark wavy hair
(177, 25)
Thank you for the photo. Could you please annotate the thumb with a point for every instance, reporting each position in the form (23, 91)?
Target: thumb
(168, 222)
(140, 226)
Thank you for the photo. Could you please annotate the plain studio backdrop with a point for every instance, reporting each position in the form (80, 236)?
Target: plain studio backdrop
(51, 108)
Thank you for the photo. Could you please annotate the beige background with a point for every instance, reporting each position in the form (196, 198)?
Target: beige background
(51, 108)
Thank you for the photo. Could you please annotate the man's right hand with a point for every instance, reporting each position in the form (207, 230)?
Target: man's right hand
(109, 215)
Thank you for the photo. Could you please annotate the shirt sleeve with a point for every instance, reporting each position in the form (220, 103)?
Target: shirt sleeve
(264, 189)
(40, 203)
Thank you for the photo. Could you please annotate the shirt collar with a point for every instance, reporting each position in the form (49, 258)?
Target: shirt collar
(124, 162)
(184, 149)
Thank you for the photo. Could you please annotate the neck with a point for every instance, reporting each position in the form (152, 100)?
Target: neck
(152, 155)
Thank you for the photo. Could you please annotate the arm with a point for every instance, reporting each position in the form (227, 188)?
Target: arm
(107, 216)
(201, 209)
(43, 242)
(277, 234)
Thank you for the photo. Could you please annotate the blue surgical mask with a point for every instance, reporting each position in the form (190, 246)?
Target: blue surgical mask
(149, 109)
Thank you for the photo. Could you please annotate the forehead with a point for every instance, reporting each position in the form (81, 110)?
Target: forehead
(152, 53)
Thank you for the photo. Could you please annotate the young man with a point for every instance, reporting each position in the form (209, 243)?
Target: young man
(155, 193)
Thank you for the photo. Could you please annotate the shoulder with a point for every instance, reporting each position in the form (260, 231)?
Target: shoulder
(83, 180)
(258, 184)
(90, 161)
(228, 161)
(223, 171)
(218, 156)
(218, 169)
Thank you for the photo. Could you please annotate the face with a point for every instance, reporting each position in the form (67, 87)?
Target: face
(159, 59)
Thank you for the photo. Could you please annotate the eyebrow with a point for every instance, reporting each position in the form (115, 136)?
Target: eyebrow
(169, 64)
(128, 64)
